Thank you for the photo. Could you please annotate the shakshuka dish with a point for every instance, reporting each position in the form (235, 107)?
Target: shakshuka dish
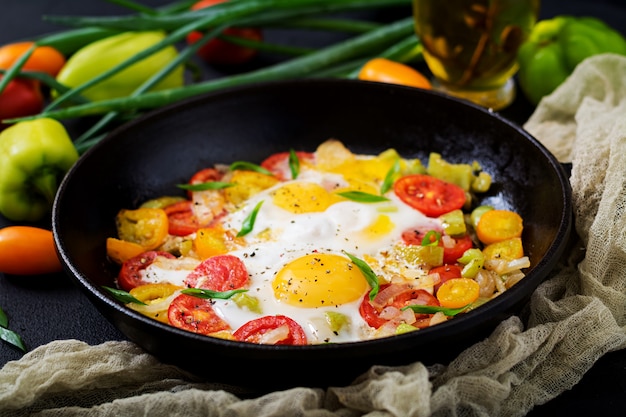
(317, 247)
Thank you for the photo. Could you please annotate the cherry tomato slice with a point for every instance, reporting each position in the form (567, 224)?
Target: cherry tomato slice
(219, 273)
(181, 218)
(430, 195)
(204, 175)
(147, 227)
(415, 296)
(446, 273)
(450, 252)
(195, 314)
(254, 330)
(278, 163)
(129, 276)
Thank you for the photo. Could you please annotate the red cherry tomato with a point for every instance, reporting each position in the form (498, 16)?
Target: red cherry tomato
(182, 220)
(205, 175)
(129, 276)
(278, 163)
(450, 253)
(446, 272)
(195, 314)
(20, 97)
(219, 273)
(430, 195)
(220, 52)
(254, 330)
(415, 296)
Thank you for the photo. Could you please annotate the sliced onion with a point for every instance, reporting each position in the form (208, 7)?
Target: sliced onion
(156, 306)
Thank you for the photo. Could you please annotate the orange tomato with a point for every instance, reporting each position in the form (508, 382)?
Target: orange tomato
(458, 292)
(387, 71)
(121, 250)
(43, 59)
(498, 225)
(26, 250)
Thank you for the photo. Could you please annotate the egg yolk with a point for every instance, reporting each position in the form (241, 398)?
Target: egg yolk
(319, 280)
(379, 228)
(302, 197)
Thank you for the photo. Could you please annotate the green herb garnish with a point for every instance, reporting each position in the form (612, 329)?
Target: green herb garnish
(248, 222)
(123, 296)
(431, 238)
(10, 336)
(370, 276)
(390, 177)
(203, 186)
(249, 166)
(204, 293)
(361, 197)
(423, 309)
(294, 164)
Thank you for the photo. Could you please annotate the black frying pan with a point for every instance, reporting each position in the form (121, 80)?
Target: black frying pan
(147, 157)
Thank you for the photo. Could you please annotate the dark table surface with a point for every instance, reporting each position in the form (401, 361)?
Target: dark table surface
(43, 309)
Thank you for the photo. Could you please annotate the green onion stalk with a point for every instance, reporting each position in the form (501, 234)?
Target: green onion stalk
(343, 59)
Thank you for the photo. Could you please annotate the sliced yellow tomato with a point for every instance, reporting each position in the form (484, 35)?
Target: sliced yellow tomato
(120, 251)
(498, 225)
(247, 184)
(458, 292)
(506, 250)
(156, 298)
(147, 227)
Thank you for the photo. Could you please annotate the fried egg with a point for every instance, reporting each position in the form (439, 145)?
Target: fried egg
(296, 251)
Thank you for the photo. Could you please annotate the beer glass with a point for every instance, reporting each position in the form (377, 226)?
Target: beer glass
(470, 46)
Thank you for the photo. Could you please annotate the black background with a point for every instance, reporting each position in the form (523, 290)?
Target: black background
(47, 308)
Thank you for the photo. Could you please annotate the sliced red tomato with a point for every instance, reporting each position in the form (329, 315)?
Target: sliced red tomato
(278, 163)
(428, 194)
(401, 298)
(254, 330)
(446, 272)
(205, 175)
(181, 218)
(130, 277)
(195, 314)
(219, 273)
(452, 251)
(218, 51)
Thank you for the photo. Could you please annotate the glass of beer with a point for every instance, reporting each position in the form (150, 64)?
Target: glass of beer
(470, 46)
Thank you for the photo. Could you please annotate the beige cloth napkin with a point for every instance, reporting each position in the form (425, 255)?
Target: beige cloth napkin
(575, 317)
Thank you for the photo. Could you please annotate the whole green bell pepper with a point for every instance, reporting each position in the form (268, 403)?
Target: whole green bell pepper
(34, 157)
(556, 46)
(97, 57)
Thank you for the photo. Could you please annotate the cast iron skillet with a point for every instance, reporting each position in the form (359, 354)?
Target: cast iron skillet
(147, 157)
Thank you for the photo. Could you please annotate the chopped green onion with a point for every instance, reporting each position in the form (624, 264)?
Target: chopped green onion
(123, 296)
(248, 222)
(204, 293)
(424, 309)
(294, 164)
(250, 167)
(203, 186)
(428, 238)
(361, 197)
(370, 276)
(390, 177)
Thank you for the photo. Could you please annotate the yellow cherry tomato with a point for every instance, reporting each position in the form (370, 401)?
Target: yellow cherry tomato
(386, 71)
(498, 225)
(120, 251)
(155, 296)
(147, 227)
(506, 250)
(458, 292)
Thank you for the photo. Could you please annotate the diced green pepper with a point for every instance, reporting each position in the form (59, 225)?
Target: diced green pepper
(454, 223)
